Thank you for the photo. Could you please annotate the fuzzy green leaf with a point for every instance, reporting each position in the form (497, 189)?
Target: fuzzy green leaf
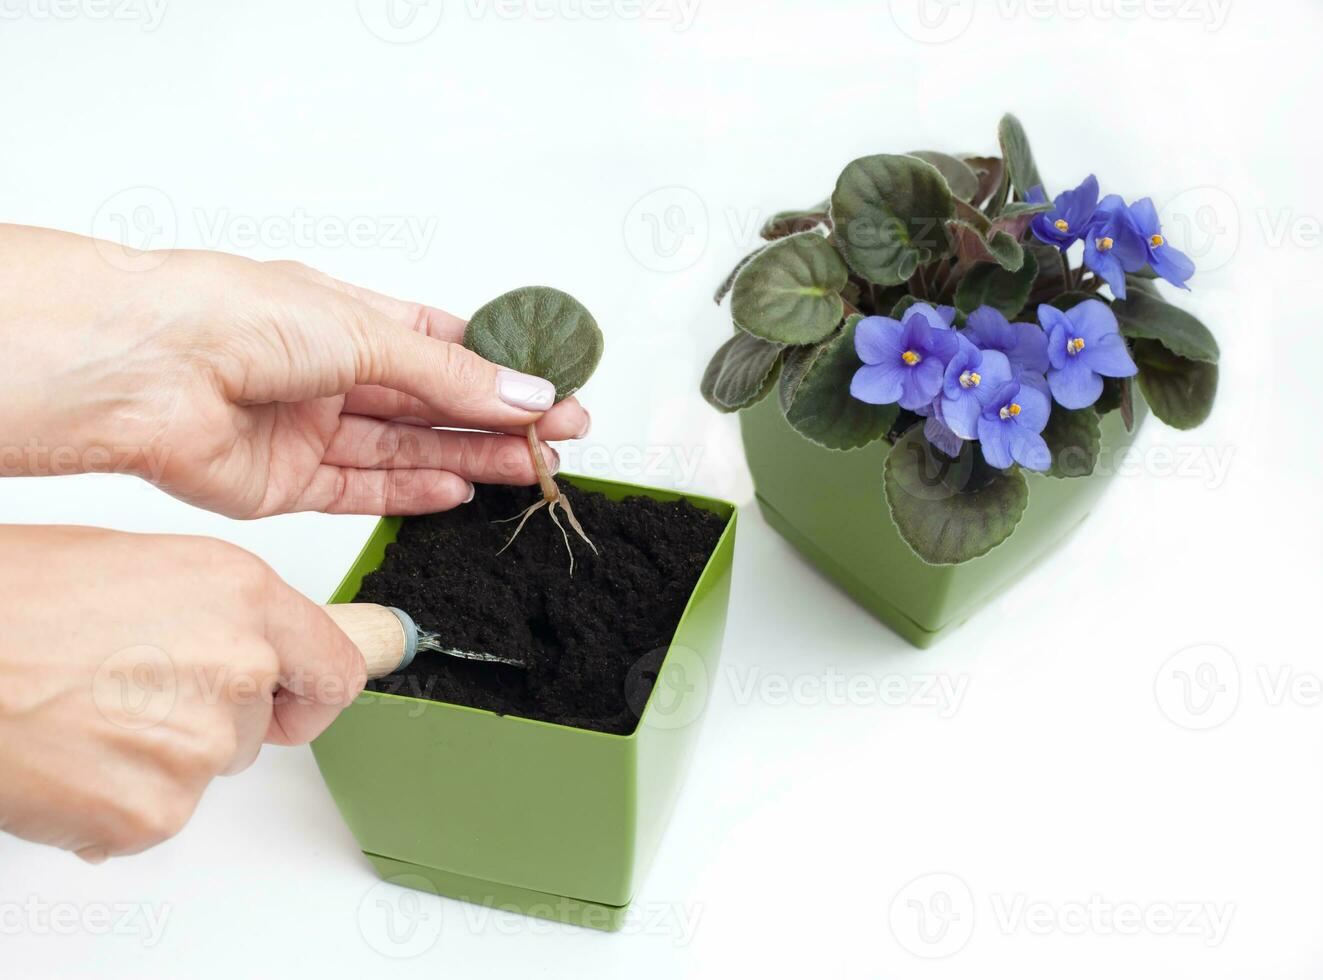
(1019, 158)
(1074, 439)
(815, 394)
(1073, 298)
(1180, 391)
(959, 177)
(1141, 315)
(785, 223)
(949, 511)
(728, 283)
(989, 170)
(971, 246)
(790, 292)
(991, 285)
(740, 373)
(889, 216)
(540, 331)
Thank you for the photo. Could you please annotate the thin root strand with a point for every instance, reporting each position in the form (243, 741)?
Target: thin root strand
(561, 528)
(522, 517)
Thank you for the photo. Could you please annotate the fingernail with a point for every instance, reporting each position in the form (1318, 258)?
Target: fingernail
(554, 463)
(525, 391)
(587, 424)
(473, 492)
(92, 855)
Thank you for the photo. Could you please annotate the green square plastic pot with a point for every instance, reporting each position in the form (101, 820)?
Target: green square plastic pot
(525, 815)
(830, 506)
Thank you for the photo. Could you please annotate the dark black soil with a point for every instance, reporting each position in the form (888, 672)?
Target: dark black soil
(593, 642)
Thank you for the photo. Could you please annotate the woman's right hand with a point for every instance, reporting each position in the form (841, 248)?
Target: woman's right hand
(136, 668)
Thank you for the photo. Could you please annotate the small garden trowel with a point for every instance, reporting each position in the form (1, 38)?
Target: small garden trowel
(389, 639)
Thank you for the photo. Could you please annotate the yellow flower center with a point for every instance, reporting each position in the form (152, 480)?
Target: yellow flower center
(1010, 411)
(910, 358)
(970, 379)
(1074, 345)
(1104, 244)
(1061, 225)
(1157, 240)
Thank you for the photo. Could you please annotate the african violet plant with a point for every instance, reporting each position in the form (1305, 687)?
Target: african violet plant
(544, 332)
(931, 301)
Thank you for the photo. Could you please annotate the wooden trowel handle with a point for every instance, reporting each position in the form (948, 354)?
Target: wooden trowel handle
(379, 632)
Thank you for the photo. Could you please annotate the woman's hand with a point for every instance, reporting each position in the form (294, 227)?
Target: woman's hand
(253, 388)
(136, 668)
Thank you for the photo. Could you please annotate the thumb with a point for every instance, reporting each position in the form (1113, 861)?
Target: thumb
(446, 376)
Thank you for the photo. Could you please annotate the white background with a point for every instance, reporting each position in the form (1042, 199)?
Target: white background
(627, 153)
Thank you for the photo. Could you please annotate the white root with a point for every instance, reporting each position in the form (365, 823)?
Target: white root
(574, 522)
(522, 517)
(559, 527)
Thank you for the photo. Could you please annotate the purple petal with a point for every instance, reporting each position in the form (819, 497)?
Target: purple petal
(995, 370)
(1028, 448)
(942, 437)
(926, 315)
(1029, 352)
(878, 384)
(1091, 321)
(877, 340)
(1109, 357)
(1075, 385)
(967, 358)
(1034, 408)
(962, 413)
(1106, 265)
(994, 439)
(920, 383)
(1145, 217)
(1171, 264)
(1058, 327)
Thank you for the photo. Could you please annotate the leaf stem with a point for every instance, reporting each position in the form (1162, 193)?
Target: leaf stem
(550, 491)
(1065, 270)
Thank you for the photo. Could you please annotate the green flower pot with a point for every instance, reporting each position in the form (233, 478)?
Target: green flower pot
(525, 815)
(830, 506)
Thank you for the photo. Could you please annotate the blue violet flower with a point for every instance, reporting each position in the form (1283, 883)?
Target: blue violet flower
(1070, 216)
(1112, 246)
(1084, 345)
(903, 361)
(972, 377)
(1168, 262)
(1010, 424)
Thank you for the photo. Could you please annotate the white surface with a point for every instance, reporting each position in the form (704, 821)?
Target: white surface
(1059, 775)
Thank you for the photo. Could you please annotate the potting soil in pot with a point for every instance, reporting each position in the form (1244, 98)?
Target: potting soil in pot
(593, 642)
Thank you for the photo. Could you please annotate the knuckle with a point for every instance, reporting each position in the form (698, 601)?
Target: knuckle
(149, 819)
(464, 369)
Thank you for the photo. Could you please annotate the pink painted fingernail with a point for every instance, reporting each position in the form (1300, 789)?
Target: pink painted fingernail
(587, 424)
(525, 390)
(473, 492)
